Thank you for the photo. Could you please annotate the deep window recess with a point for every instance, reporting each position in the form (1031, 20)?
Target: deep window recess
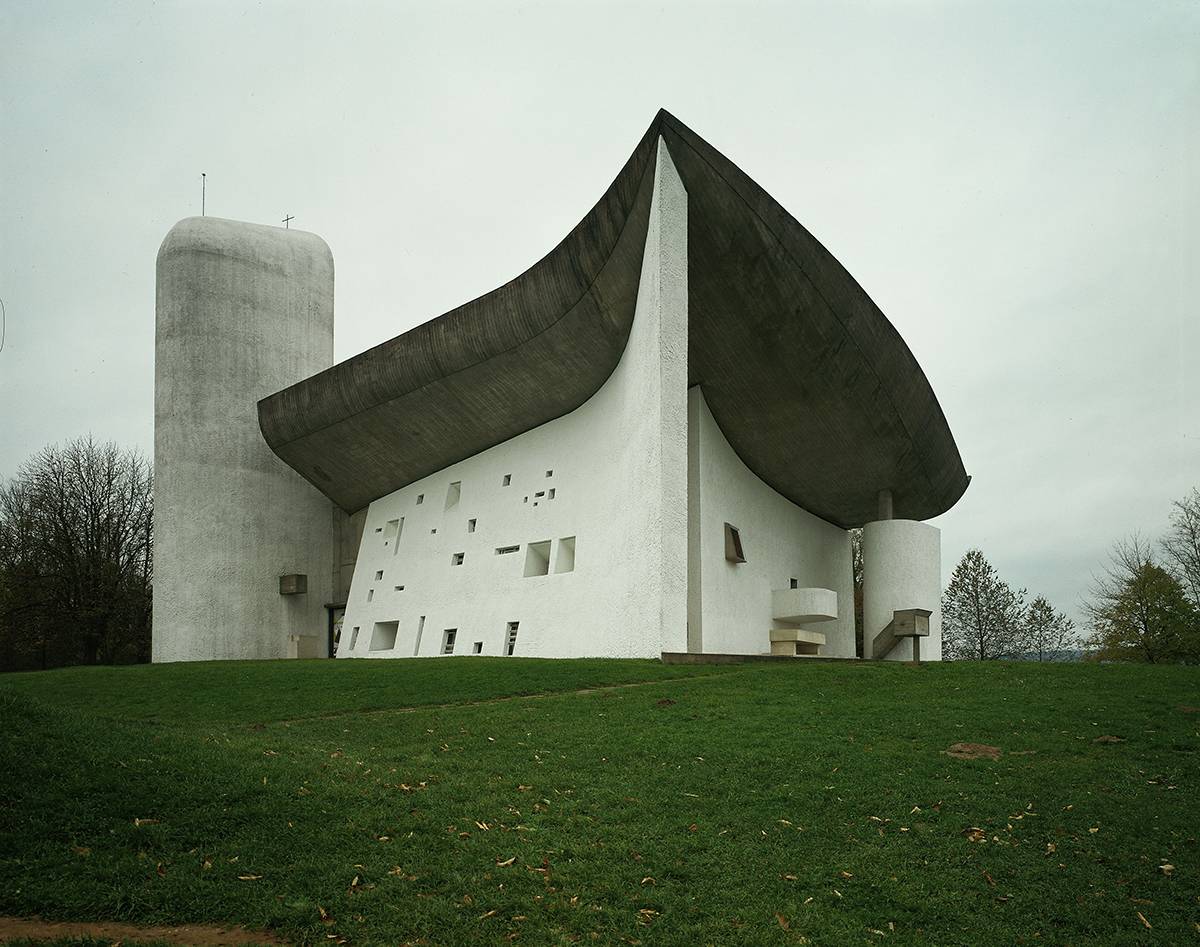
(457, 558)
(510, 642)
(379, 529)
(383, 635)
(354, 638)
(733, 544)
(477, 648)
(540, 494)
(537, 558)
(448, 637)
(453, 494)
(420, 631)
(549, 473)
(564, 558)
(550, 495)
(432, 531)
(370, 595)
(795, 583)
(399, 524)
(505, 550)
(506, 481)
(378, 575)
(470, 526)
(420, 498)
(399, 588)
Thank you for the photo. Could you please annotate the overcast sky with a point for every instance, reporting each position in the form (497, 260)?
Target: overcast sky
(1015, 185)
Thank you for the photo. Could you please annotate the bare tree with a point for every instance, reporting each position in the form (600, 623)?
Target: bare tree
(1181, 546)
(1048, 633)
(76, 552)
(983, 618)
(1139, 611)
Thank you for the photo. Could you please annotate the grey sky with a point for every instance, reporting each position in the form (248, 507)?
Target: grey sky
(1015, 185)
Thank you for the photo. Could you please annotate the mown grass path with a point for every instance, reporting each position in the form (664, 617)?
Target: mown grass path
(768, 804)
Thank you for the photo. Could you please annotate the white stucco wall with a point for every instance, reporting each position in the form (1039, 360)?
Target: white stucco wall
(619, 482)
(781, 541)
(902, 568)
(242, 311)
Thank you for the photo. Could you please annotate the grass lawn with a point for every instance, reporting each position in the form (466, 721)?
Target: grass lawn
(377, 802)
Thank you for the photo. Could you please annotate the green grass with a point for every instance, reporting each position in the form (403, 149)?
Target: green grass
(759, 803)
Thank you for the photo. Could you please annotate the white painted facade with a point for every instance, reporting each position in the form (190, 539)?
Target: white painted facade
(902, 569)
(594, 503)
(601, 533)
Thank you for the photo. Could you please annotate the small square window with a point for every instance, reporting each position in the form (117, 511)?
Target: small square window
(477, 648)
(506, 481)
(432, 531)
(795, 583)
(549, 473)
(420, 498)
(733, 544)
(470, 526)
(457, 558)
(448, 637)
(378, 575)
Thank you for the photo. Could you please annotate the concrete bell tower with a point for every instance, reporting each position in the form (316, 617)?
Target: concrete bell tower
(242, 310)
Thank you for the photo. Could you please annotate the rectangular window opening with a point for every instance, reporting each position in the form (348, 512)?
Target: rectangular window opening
(549, 473)
(370, 595)
(383, 635)
(470, 526)
(420, 631)
(399, 525)
(506, 481)
(448, 637)
(564, 559)
(505, 550)
(795, 583)
(378, 574)
(453, 494)
(510, 641)
(432, 531)
(733, 544)
(420, 498)
(540, 493)
(399, 588)
(550, 495)
(477, 648)
(537, 559)
(354, 638)
(457, 558)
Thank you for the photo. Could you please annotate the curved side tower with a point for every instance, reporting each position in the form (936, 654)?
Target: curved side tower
(242, 310)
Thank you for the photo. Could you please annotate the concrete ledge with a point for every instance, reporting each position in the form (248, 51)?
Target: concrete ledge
(684, 657)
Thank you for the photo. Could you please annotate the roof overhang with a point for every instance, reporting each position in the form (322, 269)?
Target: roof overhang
(809, 381)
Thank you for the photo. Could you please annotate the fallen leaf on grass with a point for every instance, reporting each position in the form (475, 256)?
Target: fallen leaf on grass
(81, 850)
(254, 877)
(1109, 739)
(506, 862)
(648, 881)
(1166, 869)
(1142, 918)
(845, 874)
(138, 823)
(790, 878)
(990, 880)
(783, 922)
(975, 834)
(487, 915)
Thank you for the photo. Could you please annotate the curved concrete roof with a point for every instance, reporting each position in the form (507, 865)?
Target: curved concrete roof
(811, 384)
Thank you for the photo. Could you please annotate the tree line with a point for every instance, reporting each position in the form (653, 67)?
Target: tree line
(76, 557)
(1144, 605)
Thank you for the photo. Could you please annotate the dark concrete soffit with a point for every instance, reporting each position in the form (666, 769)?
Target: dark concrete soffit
(813, 387)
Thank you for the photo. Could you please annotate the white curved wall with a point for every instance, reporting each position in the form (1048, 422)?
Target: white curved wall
(618, 487)
(902, 568)
(242, 310)
(730, 608)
